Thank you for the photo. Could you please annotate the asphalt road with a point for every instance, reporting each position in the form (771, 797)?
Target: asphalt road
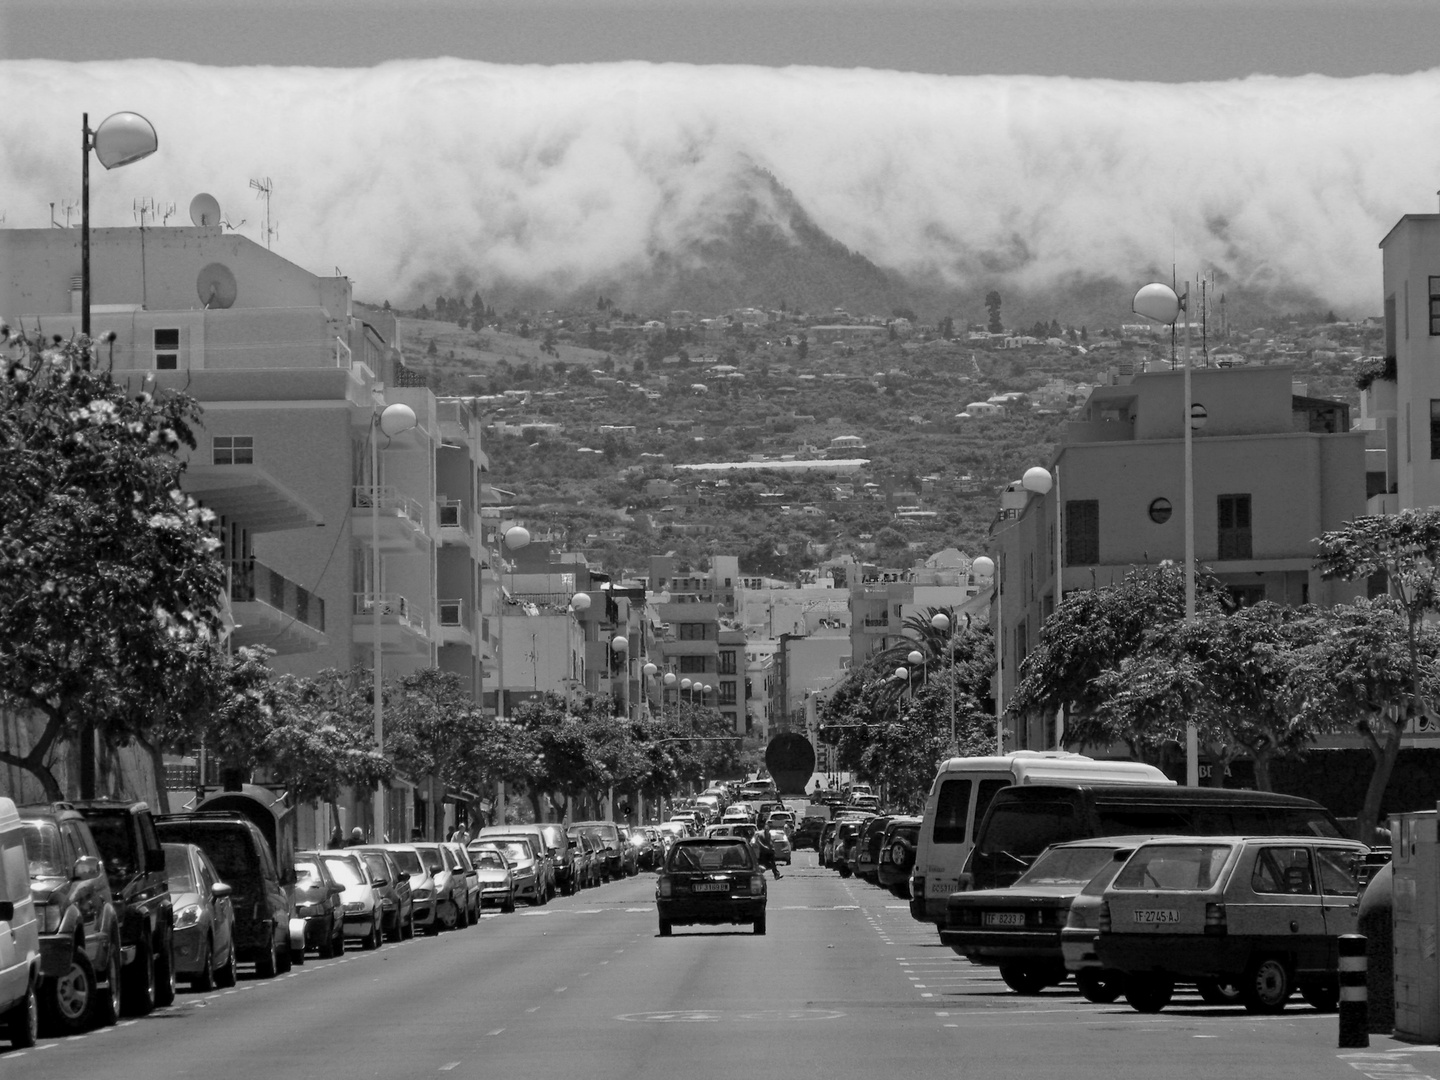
(845, 985)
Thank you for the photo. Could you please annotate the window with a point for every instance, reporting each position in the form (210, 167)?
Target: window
(727, 662)
(692, 665)
(1283, 870)
(1234, 522)
(1082, 532)
(234, 449)
(692, 631)
(167, 349)
(952, 810)
(1435, 306)
(1246, 595)
(727, 693)
(1434, 429)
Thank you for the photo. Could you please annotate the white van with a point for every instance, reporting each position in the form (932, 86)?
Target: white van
(19, 934)
(961, 794)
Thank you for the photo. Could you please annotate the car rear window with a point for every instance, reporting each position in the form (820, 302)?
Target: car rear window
(952, 810)
(515, 850)
(487, 860)
(1174, 867)
(231, 850)
(376, 865)
(1066, 866)
(409, 861)
(306, 873)
(115, 841)
(717, 854)
(344, 871)
(431, 858)
(1027, 828)
(44, 849)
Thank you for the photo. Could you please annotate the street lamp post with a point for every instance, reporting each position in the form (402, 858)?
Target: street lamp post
(513, 538)
(1160, 303)
(121, 139)
(1040, 481)
(984, 567)
(941, 622)
(392, 421)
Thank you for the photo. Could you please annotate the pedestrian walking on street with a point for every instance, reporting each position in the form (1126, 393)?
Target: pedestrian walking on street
(357, 836)
(765, 851)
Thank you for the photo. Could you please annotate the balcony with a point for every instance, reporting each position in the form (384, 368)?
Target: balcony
(402, 629)
(402, 520)
(456, 622)
(456, 526)
(273, 611)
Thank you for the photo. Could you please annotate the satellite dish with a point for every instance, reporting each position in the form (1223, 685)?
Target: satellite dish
(216, 286)
(205, 210)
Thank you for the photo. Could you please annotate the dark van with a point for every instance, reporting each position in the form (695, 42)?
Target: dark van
(1023, 821)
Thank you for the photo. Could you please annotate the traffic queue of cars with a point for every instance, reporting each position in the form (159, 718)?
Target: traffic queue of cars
(1053, 866)
(104, 908)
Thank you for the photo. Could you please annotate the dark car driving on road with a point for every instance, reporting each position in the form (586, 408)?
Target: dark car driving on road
(713, 880)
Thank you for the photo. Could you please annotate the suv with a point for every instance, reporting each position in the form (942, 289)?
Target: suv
(80, 951)
(1264, 913)
(897, 855)
(261, 892)
(135, 865)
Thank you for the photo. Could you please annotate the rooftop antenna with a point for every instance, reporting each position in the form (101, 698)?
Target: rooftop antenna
(264, 189)
(142, 208)
(233, 226)
(167, 213)
(67, 207)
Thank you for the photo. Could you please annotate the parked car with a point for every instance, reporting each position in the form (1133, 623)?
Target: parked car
(866, 861)
(204, 938)
(449, 890)
(629, 856)
(135, 864)
(539, 844)
(1263, 912)
(19, 936)
(472, 881)
(422, 884)
(80, 951)
(497, 883)
(397, 900)
(364, 913)
(897, 855)
(586, 874)
(318, 909)
(825, 846)
(261, 889)
(712, 880)
(608, 835)
(1018, 928)
(807, 834)
(1096, 982)
(562, 858)
(847, 836)
(525, 867)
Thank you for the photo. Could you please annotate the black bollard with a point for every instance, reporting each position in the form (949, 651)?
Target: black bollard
(1354, 1000)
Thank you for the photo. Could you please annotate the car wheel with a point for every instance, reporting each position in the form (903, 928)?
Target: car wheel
(70, 998)
(204, 979)
(297, 956)
(844, 869)
(1215, 992)
(371, 941)
(447, 916)
(326, 948)
(107, 1001)
(410, 926)
(509, 905)
(165, 975)
(1322, 993)
(138, 998)
(22, 1023)
(1149, 993)
(268, 963)
(1024, 980)
(1267, 985)
(282, 956)
(1100, 986)
(760, 926)
(225, 976)
(664, 927)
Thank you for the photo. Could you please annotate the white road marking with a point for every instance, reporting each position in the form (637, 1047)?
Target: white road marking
(497, 1031)
(561, 989)
(447, 1068)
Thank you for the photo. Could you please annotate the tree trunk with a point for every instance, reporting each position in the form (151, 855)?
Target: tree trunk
(1262, 772)
(32, 764)
(535, 795)
(1385, 754)
(157, 762)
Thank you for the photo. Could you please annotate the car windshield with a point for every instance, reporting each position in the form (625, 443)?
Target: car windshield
(717, 854)
(409, 861)
(344, 872)
(1174, 867)
(177, 869)
(44, 849)
(1066, 866)
(376, 865)
(487, 860)
(308, 873)
(515, 850)
(432, 860)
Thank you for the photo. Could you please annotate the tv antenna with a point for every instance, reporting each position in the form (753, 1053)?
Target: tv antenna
(147, 207)
(233, 226)
(67, 207)
(263, 189)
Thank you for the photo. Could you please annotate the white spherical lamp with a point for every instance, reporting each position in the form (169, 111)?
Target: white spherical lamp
(396, 418)
(902, 673)
(983, 568)
(940, 621)
(516, 537)
(649, 669)
(580, 601)
(1037, 479)
(619, 643)
(915, 657)
(669, 678)
(685, 684)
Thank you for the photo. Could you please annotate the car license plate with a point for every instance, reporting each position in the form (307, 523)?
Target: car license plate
(711, 886)
(1004, 918)
(1154, 916)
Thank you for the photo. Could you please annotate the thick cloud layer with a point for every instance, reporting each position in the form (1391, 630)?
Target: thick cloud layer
(413, 173)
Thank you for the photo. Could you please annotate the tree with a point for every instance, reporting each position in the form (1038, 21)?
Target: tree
(108, 573)
(992, 305)
(1402, 550)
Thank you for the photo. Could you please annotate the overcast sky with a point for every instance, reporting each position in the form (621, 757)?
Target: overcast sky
(1164, 40)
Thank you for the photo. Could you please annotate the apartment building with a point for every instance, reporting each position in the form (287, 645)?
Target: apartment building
(292, 377)
(1410, 256)
(1272, 471)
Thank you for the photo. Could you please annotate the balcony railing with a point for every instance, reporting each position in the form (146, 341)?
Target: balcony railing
(883, 620)
(343, 357)
(390, 501)
(393, 607)
(251, 581)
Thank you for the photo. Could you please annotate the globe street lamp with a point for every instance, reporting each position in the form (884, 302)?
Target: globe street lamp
(1040, 481)
(1158, 302)
(393, 420)
(984, 569)
(941, 623)
(121, 139)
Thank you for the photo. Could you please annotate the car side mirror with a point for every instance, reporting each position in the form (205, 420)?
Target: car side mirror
(404, 875)
(7, 910)
(335, 890)
(86, 867)
(220, 890)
